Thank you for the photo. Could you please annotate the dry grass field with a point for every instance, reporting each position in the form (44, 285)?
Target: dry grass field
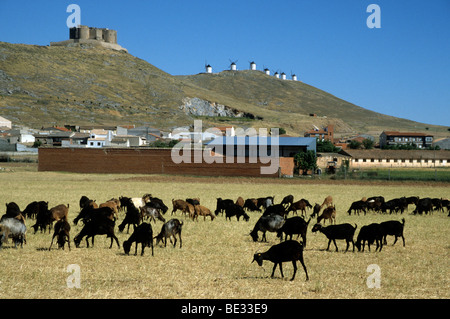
(215, 260)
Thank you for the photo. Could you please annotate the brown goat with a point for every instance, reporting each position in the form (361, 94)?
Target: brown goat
(59, 212)
(240, 201)
(62, 234)
(180, 204)
(328, 213)
(113, 205)
(328, 201)
(300, 205)
(190, 211)
(202, 211)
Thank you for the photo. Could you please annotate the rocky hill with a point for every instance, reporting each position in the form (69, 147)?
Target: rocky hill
(42, 85)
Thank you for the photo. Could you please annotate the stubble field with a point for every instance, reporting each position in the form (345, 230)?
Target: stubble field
(215, 260)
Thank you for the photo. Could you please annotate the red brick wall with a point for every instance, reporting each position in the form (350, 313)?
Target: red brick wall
(137, 161)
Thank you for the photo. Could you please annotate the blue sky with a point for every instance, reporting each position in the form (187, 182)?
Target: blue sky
(401, 69)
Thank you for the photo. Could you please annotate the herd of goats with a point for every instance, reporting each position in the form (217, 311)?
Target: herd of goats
(101, 220)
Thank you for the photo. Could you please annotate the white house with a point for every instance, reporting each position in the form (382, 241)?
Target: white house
(99, 138)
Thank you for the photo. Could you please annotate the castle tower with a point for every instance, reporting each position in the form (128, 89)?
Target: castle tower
(83, 32)
(110, 36)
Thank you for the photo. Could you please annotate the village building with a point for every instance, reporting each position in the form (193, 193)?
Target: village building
(397, 158)
(324, 134)
(392, 138)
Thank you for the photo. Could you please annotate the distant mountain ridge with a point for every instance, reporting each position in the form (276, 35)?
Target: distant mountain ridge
(42, 85)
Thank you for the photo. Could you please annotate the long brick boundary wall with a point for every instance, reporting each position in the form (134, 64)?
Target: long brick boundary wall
(140, 161)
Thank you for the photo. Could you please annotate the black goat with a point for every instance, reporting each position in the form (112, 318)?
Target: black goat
(168, 230)
(132, 217)
(250, 205)
(89, 212)
(289, 250)
(222, 205)
(62, 234)
(235, 210)
(33, 209)
(275, 209)
(265, 201)
(357, 207)
(142, 234)
(97, 226)
(157, 203)
(370, 233)
(423, 205)
(393, 228)
(316, 210)
(294, 225)
(270, 223)
(333, 232)
(289, 199)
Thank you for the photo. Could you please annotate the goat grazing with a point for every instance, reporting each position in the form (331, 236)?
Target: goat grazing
(223, 204)
(44, 219)
(370, 233)
(202, 211)
(300, 205)
(97, 226)
(276, 209)
(270, 223)
(235, 210)
(250, 204)
(328, 213)
(15, 229)
(168, 230)
(333, 232)
(357, 207)
(328, 201)
(89, 212)
(180, 204)
(142, 234)
(152, 213)
(289, 250)
(62, 234)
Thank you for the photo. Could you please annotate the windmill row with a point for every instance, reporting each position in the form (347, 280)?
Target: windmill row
(233, 67)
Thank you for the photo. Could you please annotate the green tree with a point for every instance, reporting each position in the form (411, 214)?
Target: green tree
(306, 161)
(354, 144)
(326, 147)
(368, 143)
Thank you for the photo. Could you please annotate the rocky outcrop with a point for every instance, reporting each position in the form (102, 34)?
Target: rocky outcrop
(198, 107)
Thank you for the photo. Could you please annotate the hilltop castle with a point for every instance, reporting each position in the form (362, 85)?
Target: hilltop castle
(92, 36)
